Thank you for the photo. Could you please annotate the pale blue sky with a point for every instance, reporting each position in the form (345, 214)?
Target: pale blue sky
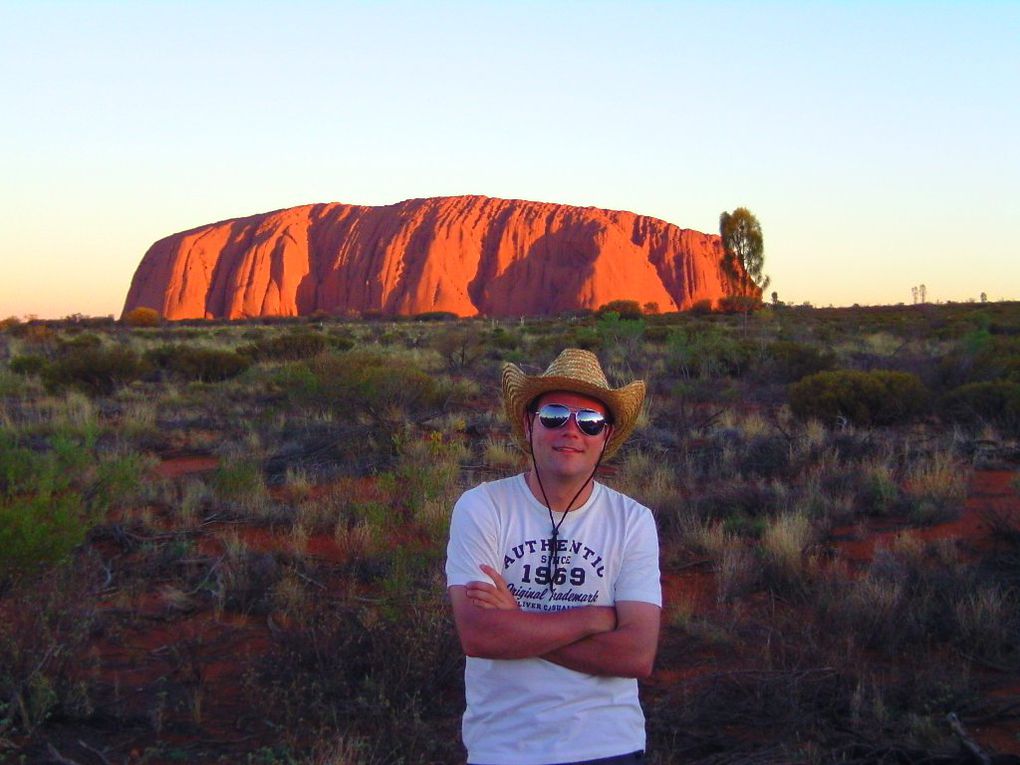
(876, 142)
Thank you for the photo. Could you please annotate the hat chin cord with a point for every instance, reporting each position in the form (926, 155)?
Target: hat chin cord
(554, 559)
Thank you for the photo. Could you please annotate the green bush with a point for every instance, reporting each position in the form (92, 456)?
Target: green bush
(628, 310)
(701, 307)
(616, 330)
(879, 397)
(709, 352)
(789, 361)
(142, 317)
(94, 370)
(996, 403)
(739, 304)
(460, 344)
(369, 384)
(203, 364)
(43, 509)
(503, 339)
(436, 316)
(289, 347)
(28, 365)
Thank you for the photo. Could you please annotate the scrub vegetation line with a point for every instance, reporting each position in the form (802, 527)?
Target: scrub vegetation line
(224, 542)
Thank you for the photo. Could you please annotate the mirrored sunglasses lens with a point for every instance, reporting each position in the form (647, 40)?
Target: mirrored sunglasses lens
(590, 421)
(553, 415)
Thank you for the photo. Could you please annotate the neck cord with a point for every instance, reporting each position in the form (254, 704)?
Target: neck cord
(554, 555)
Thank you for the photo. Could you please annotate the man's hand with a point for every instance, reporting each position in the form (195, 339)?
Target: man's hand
(491, 625)
(485, 595)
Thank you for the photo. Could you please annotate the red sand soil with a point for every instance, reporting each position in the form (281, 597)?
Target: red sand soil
(179, 466)
(989, 494)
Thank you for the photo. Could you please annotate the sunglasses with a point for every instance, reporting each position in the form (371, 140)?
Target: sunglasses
(589, 422)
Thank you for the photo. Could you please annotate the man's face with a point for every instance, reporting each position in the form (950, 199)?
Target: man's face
(565, 453)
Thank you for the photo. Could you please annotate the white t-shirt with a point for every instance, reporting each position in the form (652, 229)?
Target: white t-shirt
(531, 711)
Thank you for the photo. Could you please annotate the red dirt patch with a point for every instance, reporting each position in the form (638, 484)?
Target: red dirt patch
(175, 467)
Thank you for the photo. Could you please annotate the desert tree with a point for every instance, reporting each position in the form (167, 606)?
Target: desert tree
(743, 252)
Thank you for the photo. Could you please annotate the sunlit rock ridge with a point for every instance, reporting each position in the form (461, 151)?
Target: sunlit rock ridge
(469, 255)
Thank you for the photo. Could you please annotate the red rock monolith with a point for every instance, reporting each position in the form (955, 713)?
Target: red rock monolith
(469, 255)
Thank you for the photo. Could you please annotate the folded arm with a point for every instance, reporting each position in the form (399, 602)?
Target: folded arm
(626, 651)
(491, 626)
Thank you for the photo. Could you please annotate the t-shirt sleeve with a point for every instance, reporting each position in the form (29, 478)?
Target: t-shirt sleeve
(473, 538)
(639, 574)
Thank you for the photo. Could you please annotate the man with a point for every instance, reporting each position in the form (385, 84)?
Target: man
(554, 581)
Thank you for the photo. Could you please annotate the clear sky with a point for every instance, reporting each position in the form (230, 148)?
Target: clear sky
(878, 143)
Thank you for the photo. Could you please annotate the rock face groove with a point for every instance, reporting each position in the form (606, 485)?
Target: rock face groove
(469, 255)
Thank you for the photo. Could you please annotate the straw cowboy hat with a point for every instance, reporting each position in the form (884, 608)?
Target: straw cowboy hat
(576, 371)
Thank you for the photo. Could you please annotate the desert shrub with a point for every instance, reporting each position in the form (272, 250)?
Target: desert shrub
(380, 386)
(81, 341)
(50, 498)
(142, 317)
(980, 356)
(906, 597)
(936, 487)
(461, 345)
(46, 627)
(624, 309)
(583, 337)
(341, 341)
(741, 505)
(503, 339)
(292, 346)
(878, 492)
(738, 570)
(988, 623)
(28, 365)
(436, 316)
(425, 479)
(617, 331)
(995, 402)
(784, 543)
(246, 578)
(239, 480)
(706, 353)
(700, 307)
(765, 455)
(657, 333)
(94, 370)
(790, 361)
(739, 303)
(863, 398)
(202, 364)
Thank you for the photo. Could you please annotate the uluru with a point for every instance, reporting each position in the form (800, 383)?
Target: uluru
(467, 255)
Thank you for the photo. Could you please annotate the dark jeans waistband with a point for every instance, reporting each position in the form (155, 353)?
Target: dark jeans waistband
(634, 758)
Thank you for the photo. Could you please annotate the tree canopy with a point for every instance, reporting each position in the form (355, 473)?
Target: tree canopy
(743, 252)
